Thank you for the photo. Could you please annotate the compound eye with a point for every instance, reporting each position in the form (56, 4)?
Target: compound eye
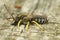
(17, 18)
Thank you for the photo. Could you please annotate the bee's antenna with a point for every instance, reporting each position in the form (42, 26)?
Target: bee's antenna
(9, 11)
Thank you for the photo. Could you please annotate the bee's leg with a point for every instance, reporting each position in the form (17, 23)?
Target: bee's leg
(38, 25)
(19, 23)
(27, 26)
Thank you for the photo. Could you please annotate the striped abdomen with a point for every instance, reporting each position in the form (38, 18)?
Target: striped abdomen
(40, 20)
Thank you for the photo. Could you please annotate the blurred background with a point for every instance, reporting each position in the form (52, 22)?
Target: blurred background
(50, 8)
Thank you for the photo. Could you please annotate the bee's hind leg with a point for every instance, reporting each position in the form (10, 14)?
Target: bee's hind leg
(38, 25)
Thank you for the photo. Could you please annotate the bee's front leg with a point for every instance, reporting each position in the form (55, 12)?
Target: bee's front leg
(19, 23)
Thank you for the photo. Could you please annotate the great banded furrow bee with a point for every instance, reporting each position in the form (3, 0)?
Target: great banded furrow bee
(27, 20)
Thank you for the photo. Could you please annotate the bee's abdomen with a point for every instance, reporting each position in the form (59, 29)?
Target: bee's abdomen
(40, 20)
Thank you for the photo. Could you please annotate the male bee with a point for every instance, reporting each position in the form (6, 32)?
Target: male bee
(27, 20)
(34, 19)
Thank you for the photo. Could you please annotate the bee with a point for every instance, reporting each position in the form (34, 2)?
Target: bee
(34, 19)
(27, 20)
